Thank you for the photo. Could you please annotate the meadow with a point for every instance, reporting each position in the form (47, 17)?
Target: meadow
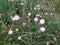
(29, 22)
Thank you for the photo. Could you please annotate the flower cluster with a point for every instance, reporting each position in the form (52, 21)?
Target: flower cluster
(15, 18)
(41, 22)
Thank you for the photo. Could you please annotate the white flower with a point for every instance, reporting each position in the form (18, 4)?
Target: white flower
(16, 17)
(35, 19)
(35, 8)
(46, 13)
(38, 5)
(54, 8)
(11, 0)
(29, 14)
(37, 15)
(22, 3)
(19, 37)
(42, 21)
(24, 24)
(42, 29)
(40, 16)
(51, 13)
(55, 38)
(17, 29)
(10, 32)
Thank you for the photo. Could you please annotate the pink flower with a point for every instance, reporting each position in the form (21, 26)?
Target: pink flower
(15, 18)
(42, 21)
(42, 29)
(12, 18)
(36, 19)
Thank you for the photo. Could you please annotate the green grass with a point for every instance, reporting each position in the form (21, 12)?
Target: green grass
(52, 24)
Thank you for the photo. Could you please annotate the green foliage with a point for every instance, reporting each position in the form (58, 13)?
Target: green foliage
(29, 33)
